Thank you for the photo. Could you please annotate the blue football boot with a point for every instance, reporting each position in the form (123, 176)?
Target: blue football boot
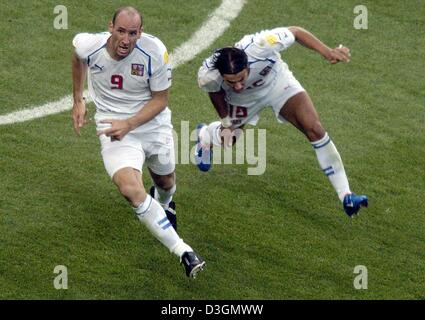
(352, 203)
(203, 156)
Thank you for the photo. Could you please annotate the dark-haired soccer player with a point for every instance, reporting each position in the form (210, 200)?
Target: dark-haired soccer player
(244, 79)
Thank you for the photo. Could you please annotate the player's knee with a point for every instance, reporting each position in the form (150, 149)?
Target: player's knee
(133, 193)
(314, 131)
(165, 182)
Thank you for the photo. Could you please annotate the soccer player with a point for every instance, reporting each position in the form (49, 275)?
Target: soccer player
(129, 77)
(244, 79)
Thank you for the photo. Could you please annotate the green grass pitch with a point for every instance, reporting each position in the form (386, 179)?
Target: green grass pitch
(280, 235)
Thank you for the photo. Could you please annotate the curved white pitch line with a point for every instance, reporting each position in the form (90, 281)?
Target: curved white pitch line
(213, 28)
(210, 30)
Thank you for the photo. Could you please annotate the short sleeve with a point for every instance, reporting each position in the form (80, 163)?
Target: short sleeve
(87, 43)
(268, 42)
(161, 76)
(280, 38)
(209, 79)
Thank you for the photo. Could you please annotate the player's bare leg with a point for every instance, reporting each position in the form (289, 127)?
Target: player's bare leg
(165, 182)
(129, 183)
(300, 111)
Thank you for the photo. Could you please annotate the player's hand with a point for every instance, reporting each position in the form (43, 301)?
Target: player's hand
(79, 112)
(338, 54)
(230, 135)
(118, 129)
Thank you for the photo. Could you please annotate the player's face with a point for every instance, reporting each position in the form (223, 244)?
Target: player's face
(124, 33)
(237, 81)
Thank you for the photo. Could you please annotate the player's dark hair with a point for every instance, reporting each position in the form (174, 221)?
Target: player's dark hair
(129, 9)
(229, 60)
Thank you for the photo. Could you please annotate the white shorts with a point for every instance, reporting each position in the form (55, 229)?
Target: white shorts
(285, 87)
(137, 146)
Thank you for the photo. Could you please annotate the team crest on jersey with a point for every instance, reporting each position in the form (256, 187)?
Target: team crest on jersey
(137, 69)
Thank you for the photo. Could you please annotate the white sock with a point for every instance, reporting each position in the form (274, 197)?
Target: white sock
(153, 216)
(331, 164)
(211, 134)
(164, 197)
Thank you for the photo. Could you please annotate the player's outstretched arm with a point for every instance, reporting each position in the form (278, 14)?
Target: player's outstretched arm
(307, 39)
(79, 111)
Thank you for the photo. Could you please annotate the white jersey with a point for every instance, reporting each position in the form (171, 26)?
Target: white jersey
(120, 88)
(265, 64)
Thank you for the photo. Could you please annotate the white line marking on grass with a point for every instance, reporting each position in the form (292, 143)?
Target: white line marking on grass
(213, 28)
(210, 30)
(58, 106)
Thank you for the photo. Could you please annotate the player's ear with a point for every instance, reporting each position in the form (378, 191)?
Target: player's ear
(111, 27)
(141, 30)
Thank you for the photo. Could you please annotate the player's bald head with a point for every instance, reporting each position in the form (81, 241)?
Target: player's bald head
(129, 11)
